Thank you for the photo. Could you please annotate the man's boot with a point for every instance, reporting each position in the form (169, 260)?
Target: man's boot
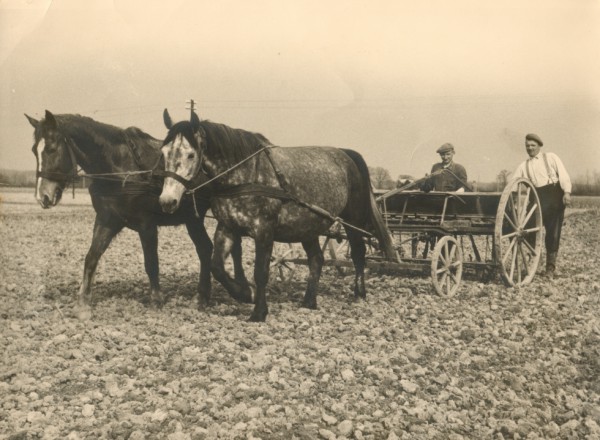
(551, 264)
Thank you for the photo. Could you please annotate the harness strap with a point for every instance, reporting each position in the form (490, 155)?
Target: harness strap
(285, 188)
(252, 189)
(189, 184)
(194, 189)
(280, 177)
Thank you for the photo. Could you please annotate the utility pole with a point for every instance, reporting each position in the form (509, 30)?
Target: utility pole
(191, 104)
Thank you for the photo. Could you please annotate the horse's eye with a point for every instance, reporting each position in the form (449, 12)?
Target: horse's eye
(191, 156)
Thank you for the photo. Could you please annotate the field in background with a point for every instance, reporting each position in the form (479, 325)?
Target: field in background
(25, 196)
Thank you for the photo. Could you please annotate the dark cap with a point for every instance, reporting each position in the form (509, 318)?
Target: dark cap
(445, 148)
(535, 138)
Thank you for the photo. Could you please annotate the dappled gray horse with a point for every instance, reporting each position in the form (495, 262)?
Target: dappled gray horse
(273, 194)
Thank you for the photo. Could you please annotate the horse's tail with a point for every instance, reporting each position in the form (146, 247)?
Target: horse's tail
(376, 219)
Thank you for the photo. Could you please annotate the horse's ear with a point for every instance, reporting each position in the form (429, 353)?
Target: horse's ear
(167, 119)
(50, 120)
(33, 122)
(195, 120)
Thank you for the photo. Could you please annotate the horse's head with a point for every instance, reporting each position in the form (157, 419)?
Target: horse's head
(55, 160)
(182, 151)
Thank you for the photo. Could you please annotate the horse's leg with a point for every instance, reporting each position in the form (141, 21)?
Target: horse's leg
(263, 244)
(224, 241)
(358, 250)
(149, 237)
(204, 249)
(314, 254)
(101, 238)
(238, 269)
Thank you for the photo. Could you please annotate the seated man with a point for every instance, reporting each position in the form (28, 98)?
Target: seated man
(446, 176)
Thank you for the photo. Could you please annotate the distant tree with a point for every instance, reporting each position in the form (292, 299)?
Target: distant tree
(380, 178)
(502, 179)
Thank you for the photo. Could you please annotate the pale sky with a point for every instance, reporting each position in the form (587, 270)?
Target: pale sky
(391, 79)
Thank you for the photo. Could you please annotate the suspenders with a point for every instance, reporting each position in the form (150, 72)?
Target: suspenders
(548, 170)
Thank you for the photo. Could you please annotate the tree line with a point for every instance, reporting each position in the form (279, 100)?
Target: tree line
(586, 185)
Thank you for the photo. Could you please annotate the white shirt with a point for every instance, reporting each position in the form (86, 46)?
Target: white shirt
(535, 169)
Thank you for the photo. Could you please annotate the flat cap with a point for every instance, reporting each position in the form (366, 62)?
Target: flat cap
(535, 138)
(446, 147)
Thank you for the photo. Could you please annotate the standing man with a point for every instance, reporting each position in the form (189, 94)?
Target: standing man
(447, 175)
(553, 185)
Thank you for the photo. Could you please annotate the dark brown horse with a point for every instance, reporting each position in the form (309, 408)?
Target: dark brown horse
(273, 194)
(123, 195)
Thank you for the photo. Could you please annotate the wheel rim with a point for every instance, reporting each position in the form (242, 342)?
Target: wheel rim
(518, 233)
(446, 266)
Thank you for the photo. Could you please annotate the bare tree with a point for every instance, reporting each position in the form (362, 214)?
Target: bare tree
(380, 178)
(502, 179)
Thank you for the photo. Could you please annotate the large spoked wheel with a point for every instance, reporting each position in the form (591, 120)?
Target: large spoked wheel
(518, 233)
(281, 266)
(446, 266)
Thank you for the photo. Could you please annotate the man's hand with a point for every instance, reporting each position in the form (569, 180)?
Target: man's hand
(567, 199)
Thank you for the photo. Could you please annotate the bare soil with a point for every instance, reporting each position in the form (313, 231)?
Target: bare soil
(492, 362)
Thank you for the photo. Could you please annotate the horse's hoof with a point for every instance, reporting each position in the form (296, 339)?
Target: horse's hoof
(203, 305)
(257, 317)
(83, 313)
(157, 300)
(157, 304)
(312, 305)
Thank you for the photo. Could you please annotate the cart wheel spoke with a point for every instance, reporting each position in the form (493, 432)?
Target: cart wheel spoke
(524, 259)
(530, 248)
(530, 214)
(523, 206)
(510, 220)
(446, 266)
(508, 251)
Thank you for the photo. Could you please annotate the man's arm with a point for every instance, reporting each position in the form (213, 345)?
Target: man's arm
(563, 178)
(461, 174)
(427, 184)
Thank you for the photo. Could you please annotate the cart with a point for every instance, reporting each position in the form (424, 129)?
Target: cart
(447, 234)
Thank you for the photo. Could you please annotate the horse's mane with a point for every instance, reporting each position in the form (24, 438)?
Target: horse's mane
(87, 130)
(231, 144)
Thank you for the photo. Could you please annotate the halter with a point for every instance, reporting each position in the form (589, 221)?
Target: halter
(196, 182)
(68, 178)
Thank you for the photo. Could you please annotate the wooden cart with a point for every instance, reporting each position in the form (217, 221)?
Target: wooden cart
(447, 234)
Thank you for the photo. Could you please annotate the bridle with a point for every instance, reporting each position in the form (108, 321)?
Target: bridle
(189, 184)
(60, 176)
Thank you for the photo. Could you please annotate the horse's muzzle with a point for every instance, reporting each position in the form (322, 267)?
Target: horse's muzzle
(48, 201)
(168, 204)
